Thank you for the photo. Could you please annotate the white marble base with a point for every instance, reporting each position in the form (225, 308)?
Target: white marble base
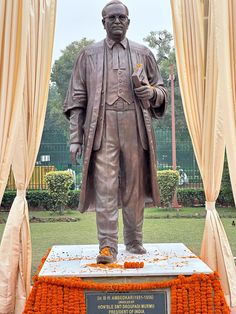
(162, 259)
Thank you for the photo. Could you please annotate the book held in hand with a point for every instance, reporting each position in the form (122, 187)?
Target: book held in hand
(139, 78)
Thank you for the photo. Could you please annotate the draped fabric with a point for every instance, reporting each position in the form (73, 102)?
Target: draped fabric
(15, 250)
(200, 79)
(226, 14)
(13, 43)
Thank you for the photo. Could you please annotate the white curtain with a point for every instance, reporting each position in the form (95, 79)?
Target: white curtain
(226, 25)
(14, 16)
(200, 76)
(15, 250)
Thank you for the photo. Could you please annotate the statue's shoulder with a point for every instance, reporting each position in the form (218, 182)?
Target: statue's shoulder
(90, 50)
(94, 48)
(139, 48)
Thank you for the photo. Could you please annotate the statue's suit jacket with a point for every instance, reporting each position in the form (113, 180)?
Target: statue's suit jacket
(86, 93)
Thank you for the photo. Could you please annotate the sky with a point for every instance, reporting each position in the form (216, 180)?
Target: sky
(82, 18)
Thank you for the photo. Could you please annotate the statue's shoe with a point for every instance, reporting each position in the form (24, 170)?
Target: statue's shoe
(107, 255)
(136, 247)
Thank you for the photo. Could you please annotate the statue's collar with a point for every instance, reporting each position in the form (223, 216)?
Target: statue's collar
(111, 43)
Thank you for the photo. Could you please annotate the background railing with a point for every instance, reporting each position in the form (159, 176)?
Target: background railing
(54, 155)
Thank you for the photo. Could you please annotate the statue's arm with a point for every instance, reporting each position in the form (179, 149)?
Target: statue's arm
(75, 106)
(159, 100)
(76, 133)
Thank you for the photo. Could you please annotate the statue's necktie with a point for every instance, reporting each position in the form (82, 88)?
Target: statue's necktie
(118, 57)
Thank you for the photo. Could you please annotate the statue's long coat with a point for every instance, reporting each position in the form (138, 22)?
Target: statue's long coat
(86, 92)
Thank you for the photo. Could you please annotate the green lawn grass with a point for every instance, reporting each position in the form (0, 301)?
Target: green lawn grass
(185, 212)
(157, 228)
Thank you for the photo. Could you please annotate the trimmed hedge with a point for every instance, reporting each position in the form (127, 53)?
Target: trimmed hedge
(73, 201)
(226, 194)
(39, 199)
(58, 184)
(190, 197)
(8, 198)
(167, 181)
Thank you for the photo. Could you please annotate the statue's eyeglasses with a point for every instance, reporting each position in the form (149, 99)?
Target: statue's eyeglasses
(113, 17)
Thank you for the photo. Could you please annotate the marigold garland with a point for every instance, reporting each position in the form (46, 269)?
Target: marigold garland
(198, 293)
(133, 264)
(115, 265)
(105, 266)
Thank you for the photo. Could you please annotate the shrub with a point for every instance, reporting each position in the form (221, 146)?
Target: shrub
(35, 198)
(40, 199)
(225, 198)
(200, 197)
(168, 181)
(59, 183)
(73, 199)
(186, 197)
(226, 195)
(8, 199)
(190, 197)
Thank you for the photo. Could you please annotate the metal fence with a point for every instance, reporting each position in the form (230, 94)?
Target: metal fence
(37, 180)
(54, 154)
(185, 158)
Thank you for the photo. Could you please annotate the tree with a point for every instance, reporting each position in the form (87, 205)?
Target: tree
(54, 118)
(162, 43)
(60, 76)
(62, 67)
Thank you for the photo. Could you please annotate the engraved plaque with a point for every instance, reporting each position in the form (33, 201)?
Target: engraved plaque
(134, 302)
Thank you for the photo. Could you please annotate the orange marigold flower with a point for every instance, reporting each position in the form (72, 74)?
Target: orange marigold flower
(133, 264)
(106, 251)
(196, 294)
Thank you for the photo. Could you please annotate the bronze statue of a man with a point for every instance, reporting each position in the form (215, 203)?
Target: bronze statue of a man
(108, 119)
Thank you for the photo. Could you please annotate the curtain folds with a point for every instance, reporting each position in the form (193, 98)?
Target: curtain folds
(16, 243)
(200, 76)
(14, 16)
(228, 30)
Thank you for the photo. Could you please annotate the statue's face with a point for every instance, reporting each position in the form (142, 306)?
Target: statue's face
(116, 22)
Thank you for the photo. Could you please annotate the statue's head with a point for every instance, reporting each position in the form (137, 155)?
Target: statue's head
(115, 20)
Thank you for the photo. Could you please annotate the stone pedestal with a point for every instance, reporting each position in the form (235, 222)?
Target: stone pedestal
(162, 262)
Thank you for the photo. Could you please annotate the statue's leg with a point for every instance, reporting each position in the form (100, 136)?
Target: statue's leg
(132, 189)
(106, 170)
